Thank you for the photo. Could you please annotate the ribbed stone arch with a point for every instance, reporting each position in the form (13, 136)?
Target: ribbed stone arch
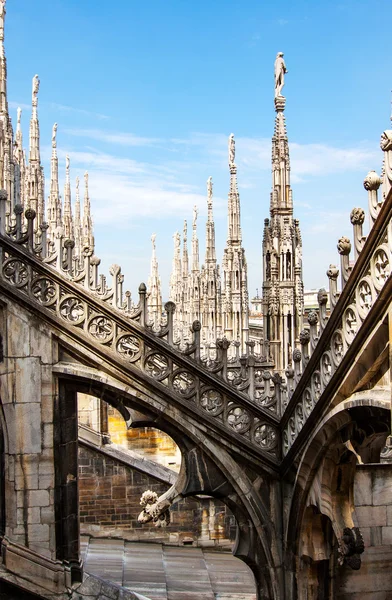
(206, 468)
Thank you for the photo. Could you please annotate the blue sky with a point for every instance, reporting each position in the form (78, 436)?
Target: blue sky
(145, 95)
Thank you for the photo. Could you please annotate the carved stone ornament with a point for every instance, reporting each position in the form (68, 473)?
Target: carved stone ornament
(351, 546)
(154, 510)
(212, 402)
(344, 245)
(312, 318)
(297, 355)
(357, 216)
(239, 419)
(386, 140)
(304, 337)
(156, 365)
(265, 436)
(322, 296)
(333, 272)
(372, 181)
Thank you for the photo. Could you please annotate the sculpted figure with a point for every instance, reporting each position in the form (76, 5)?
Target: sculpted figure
(195, 213)
(54, 131)
(35, 89)
(153, 238)
(209, 187)
(231, 149)
(280, 70)
(2, 8)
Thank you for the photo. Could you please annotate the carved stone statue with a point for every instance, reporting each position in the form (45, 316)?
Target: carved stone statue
(67, 162)
(35, 89)
(2, 9)
(195, 213)
(231, 149)
(209, 188)
(280, 70)
(153, 238)
(54, 132)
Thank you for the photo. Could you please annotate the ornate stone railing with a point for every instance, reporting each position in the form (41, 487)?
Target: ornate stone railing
(327, 340)
(122, 336)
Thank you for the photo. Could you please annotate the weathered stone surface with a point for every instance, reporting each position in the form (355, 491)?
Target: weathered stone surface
(363, 488)
(370, 516)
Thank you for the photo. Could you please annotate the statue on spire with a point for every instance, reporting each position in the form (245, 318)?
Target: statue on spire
(195, 213)
(231, 149)
(67, 163)
(2, 8)
(19, 115)
(280, 70)
(209, 189)
(54, 132)
(35, 90)
(153, 238)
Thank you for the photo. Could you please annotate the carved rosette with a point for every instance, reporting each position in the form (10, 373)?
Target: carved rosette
(265, 436)
(129, 347)
(157, 366)
(350, 323)
(239, 419)
(364, 296)
(44, 291)
(15, 272)
(72, 309)
(184, 383)
(380, 266)
(337, 347)
(101, 328)
(212, 402)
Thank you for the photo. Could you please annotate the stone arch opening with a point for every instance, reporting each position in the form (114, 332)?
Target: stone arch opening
(333, 481)
(252, 546)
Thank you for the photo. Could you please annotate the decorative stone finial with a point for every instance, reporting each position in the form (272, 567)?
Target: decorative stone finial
(344, 246)
(333, 272)
(304, 337)
(357, 216)
(322, 296)
(312, 318)
(372, 181)
(297, 355)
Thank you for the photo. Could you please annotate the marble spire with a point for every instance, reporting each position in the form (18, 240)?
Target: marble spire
(88, 238)
(282, 245)
(67, 215)
(54, 200)
(234, 226)
(195, 242)
(210, 227)
(154, 298)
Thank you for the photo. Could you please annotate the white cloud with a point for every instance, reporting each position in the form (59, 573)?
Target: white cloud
(81, 111)
(15, 105)
(123, 139)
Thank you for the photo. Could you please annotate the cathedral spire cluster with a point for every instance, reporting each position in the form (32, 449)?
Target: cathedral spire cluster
(23, 178)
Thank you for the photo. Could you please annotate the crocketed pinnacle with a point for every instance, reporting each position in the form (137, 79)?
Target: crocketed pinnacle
(67, 217)
(54, 201)
(185, 259)
(195, 242)
(210, 227)
(87, 225)
(234, 219)
(34, 154)
(3, 63)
